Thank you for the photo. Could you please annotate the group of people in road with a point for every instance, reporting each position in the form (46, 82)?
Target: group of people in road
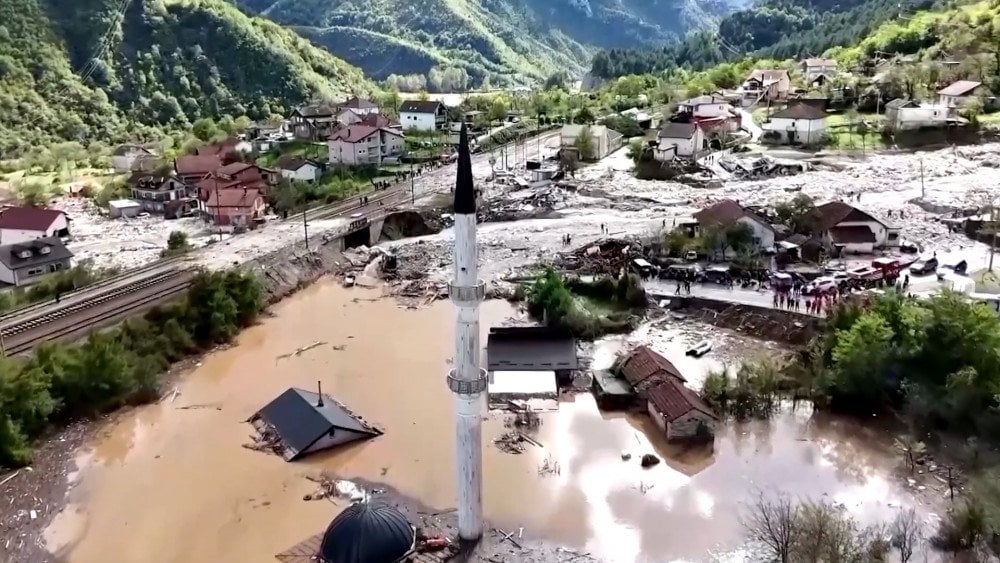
(814, 304)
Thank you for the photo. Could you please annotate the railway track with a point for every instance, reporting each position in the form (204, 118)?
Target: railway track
(105, 307)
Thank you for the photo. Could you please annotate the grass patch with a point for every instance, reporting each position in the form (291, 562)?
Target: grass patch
(305, 149)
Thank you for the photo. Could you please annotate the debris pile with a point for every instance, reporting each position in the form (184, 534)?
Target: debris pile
(761, 167)
(335, 489)
(523, 204)
(649, 460)
(266, 439)
(513, 442)
(605, 257)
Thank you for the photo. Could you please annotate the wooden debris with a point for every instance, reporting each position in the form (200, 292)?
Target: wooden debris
(10, 477)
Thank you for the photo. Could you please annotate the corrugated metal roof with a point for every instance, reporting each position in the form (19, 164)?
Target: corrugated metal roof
(530, 349)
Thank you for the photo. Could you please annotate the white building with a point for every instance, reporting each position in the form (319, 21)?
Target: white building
(298, 169)
(764, 84)
(684, 140)
(603, 140)
(118, 208)
(852, 230)
(957, 93)
(707, 107)
(903, 115)
(125, 156)
(23, 263)
(23, 224)
(813, 68)
(801, 124)
(727, 212)
(422, 115)
(364, 145)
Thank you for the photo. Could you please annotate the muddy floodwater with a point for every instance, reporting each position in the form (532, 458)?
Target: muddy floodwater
(172, 484)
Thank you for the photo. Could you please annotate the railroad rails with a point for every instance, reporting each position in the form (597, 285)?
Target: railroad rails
(93, 308)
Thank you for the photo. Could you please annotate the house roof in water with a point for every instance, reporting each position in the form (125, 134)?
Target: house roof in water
(673, 399)
(29, 218)
(800, 111)
(959, 88)
(643, 363)
(419, 106)
(530, 349)
(367, 532)
(39, 251)
(835, 212)
(300, 421)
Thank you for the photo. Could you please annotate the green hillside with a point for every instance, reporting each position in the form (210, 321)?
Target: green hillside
(507, 41)
(109, 70)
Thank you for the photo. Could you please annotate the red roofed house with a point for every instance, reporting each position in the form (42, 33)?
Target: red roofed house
(236, 208)
(223, 148)
(643, 369)
(193, 167)
(727, 212)
(851, 230)
(956, 94)
(680, 412)
(364, 145)
(24, 224)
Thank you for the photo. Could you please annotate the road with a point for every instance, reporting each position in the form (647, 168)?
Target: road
(747, 124)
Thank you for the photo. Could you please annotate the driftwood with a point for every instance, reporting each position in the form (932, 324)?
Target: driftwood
(299, 351)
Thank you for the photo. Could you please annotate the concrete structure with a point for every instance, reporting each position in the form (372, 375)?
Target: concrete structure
(713, 109)
(308, 422)
(422, 115)
(801, 124)
(842, 226)
(125, 156)
(683, 140)
(956, 94)
(364, 145)
(24, 224)
(467, 381)
(727, 213)
(813, 68)
(603, 140)
(298, 169)
(679, 412)
(907, 115)
(124, 208)
(23, 263)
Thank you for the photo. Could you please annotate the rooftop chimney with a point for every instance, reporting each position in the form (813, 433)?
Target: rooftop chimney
(319, 393)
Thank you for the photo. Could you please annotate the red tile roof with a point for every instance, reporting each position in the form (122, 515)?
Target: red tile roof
(353, 133)
(673, 400)
(836, 212)
(644, 363)
(725, 213)
(197, 163)
(233, 168)
(218, 149)
(359, 103)
(233, 197)
(28, 218)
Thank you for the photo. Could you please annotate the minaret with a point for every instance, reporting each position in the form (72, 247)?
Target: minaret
(467, 380)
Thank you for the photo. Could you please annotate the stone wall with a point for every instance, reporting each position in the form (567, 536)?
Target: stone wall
(759, 322)
(289, 269)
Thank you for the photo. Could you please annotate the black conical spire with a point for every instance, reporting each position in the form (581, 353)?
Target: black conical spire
(465, 193)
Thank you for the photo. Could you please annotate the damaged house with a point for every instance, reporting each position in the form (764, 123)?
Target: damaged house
(529, 362)
(679, 412)
(299, 422)
(848, 229)
(644, 369)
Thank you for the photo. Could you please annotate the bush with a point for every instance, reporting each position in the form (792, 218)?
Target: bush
(63, 382)
(177, 244)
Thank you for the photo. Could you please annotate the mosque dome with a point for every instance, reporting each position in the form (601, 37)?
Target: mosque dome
(367, 532)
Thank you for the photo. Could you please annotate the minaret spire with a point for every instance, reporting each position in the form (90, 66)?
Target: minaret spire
(467, 380)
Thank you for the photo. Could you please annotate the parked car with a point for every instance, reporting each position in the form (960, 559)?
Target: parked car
(823, 284)
(700, 349)
(691, 256)
(924, 266)
(717, 274)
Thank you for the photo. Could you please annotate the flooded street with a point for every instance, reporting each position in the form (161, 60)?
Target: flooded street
(175, 481)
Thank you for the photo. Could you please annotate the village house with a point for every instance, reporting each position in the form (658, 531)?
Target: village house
(530, 362)
(765, 84)
(364, 145)
(422, 115)
(679, 412)
(299, 169)
(848, 229)
(956, 94)
(191, 168)
(24, 262)
(727, 213)
(644, 369)
(125, 157)
(678, 140)
(161, 194)
(360, 106)
(24, 224)
(713, 109)
(314, 121)
(907, 115)
(234, 208)
(814, 68)
(800, 124)
(603, 140)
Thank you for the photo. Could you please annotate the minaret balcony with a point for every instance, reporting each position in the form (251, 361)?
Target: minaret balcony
(465, 386)
(464, 295)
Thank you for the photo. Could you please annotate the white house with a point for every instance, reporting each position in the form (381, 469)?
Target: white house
(23, 263)
(957, 93)
(706, 107)
(679, 412)
(125, 156)
(155, 192)
(683, 140)
(762, 84)
(813, 68)
(852, 230)
(801, 124)
(903, 115)
(604, 140)
(23, 224)
(422, 115)
(727, 212)
(360, 106)
(299, 169)
(364, 145)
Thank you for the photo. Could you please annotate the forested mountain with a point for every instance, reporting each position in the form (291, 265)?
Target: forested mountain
(112, 69)
(502, 40)
(770, 29)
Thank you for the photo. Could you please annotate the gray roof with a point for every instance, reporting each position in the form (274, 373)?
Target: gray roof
(419, 106)
(532, 348)
(299, 422)
(800, 111)
(900, 103)
(10, 255)
(671, 130)
(960, 88)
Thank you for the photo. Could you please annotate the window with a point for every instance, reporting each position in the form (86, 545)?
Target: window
(36, 271)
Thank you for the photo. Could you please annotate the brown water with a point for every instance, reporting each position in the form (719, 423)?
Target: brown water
(174, 485)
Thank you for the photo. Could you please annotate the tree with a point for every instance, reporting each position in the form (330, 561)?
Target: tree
(972, 109)
(584, 144)
(740, 237)
(862, 355)
(911, 448)
(799, 214)
(177, 244)
(712, 237)
(204, 129)
(773, 524)
(905, 534)
(584, 117)
(676, 240)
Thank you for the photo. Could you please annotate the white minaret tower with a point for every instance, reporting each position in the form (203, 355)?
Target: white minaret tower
(467, 381)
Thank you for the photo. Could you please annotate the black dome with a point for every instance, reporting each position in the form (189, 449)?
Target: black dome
(367, 532)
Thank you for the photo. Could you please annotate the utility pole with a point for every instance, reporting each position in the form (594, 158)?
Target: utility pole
(305, 226)
(413, 192)
(923, 189)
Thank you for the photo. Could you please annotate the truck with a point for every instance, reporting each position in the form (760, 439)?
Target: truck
(881, 269)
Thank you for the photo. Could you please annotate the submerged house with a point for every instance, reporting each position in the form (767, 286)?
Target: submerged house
(299, 422)
(644, 369)
(679, 412)
(529, 362)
